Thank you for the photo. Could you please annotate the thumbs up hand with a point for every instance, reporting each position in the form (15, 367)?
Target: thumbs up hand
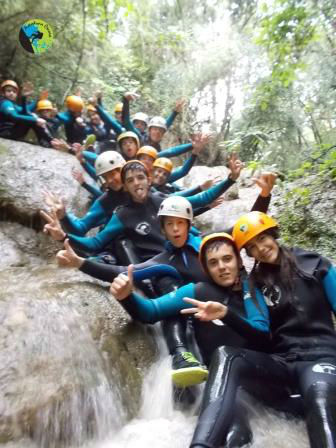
(122, 286)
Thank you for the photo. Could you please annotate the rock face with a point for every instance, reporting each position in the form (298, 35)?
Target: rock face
(71, 360)
(239, 198)
(306, 209)
(26, 171)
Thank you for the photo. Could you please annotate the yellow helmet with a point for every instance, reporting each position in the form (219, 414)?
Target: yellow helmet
(164, 163)
(9, 83)
(74, 103)
(209, 238)
(128, 134)
(118, 107)
(149, 150)
(91, 108)
(250, 225)
(44, 105)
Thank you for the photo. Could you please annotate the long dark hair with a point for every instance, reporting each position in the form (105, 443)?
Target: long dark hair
(262, 274)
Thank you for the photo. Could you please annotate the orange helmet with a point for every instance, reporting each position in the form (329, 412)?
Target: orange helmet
(74, 103)
(164, 163)
(10, 83)
(149, 150)
(250, 225)
(44, 105)
(209, 238)
(118, 108)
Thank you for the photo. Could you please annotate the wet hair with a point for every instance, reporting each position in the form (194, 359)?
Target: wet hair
(215, 245)
(133, 165)
(262, 274)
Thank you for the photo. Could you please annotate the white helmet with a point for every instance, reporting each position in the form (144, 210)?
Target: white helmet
(176, 206)
(158, 122)
(140, 116)
(108, 161)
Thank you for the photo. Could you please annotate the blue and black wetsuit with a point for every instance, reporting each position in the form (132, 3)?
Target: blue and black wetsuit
(15, 121)
(109, 121)
(73, 131)
(99, 213)
(139, 223)
(303, 348)
(106, 137)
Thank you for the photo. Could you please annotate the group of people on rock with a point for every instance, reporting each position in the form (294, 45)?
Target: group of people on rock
(269, 332)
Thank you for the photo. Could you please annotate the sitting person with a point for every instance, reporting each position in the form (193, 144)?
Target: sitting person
(15, 121)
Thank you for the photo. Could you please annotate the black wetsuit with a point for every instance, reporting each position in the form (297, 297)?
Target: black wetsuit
(303, 356)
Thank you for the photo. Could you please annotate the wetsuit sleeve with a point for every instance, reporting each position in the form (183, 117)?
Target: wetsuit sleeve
(183, 170)
(261, 204)
(150, 311)
(189, 192)
(7, 108)
(65, 117)
(28, 108)
(31, 106)
(170, 119)
(206, 197)
(108, 120)
(96, 192)
(326, 274)
(93, 244)
(90, 169)
(90, 156)
(176, 150)
(126, 119)
(107, 272)
(79, 226)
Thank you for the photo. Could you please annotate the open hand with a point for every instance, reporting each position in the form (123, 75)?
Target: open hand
(266, 182)
(205, 311)
(235, 166)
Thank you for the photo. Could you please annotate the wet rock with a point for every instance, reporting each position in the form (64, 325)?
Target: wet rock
(26, 171)
(23, 246)
(71, 362)
(238, 198)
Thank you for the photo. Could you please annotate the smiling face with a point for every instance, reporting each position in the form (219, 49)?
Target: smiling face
(176, 230)
(129, 147)
(112, 179)
(156, 134)
(10, 93)
(263, 248)
(223, 264)
(95, 118)
(160, 176)
(137, 184)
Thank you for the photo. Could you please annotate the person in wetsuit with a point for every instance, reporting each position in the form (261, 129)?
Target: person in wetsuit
(181, 252)
(74, 124)
(138, 219)
(299, 287)
(225, 313)
(16, 120)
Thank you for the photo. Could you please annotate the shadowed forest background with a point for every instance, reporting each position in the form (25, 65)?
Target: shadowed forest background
(261, 75)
